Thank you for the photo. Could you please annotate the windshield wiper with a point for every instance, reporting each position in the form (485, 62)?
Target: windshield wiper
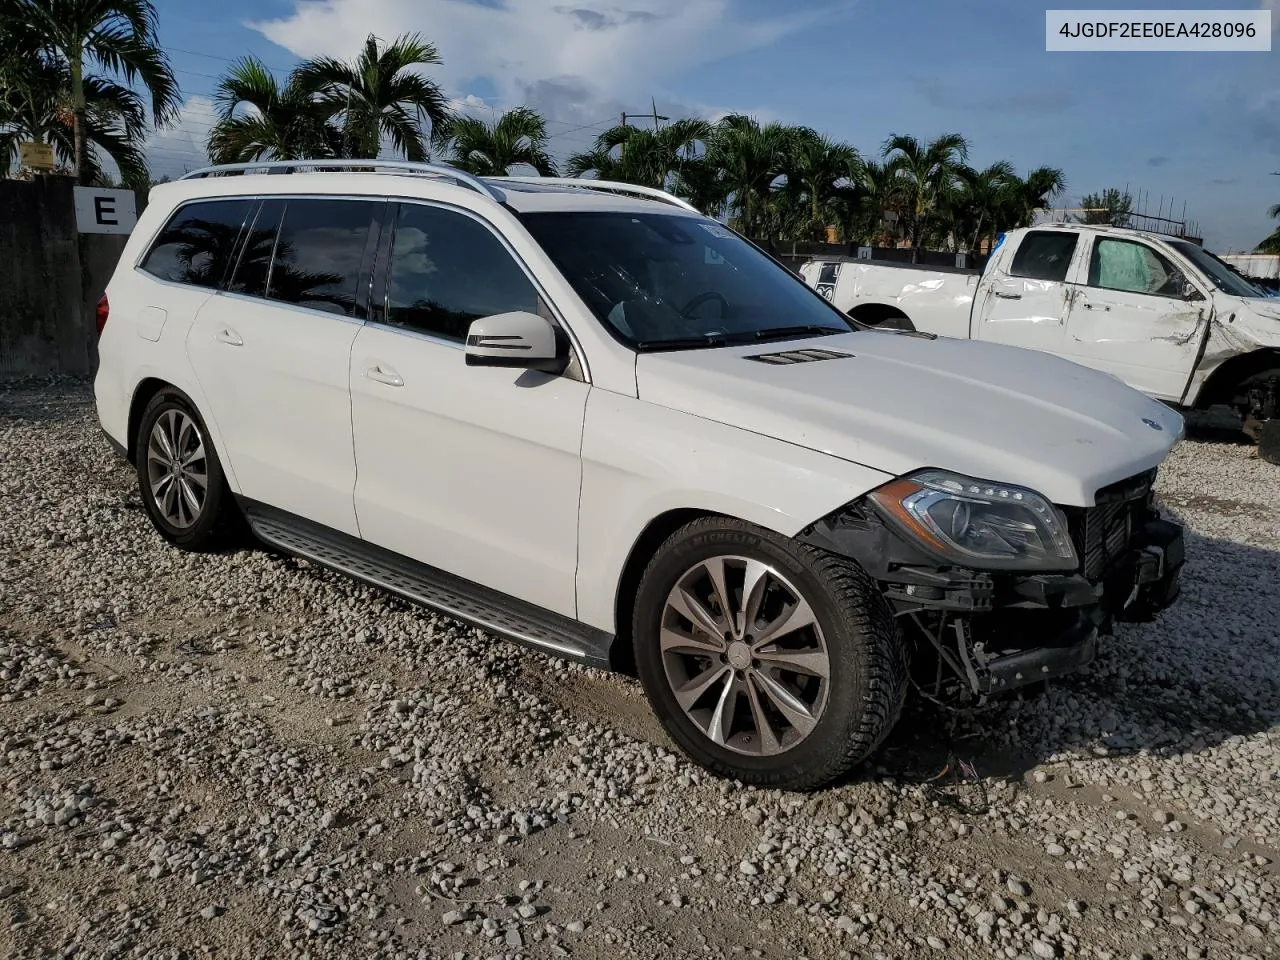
(783, 333)
(682, 343)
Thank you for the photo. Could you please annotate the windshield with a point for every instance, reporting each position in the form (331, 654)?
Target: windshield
(1219, 274)
(668, 282)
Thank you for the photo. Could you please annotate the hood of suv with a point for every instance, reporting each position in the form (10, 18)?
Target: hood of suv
(900, 403)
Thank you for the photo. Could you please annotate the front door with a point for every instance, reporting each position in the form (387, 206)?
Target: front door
(472, 470)
(272, 353)
(1027, 306)
(1136, 318)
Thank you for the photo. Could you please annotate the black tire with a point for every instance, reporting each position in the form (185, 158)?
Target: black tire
(867, 658)
(217, 522)
(1269, 441)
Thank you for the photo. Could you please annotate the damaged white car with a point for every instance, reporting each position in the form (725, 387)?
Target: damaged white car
(587, 418)
(1161, 313)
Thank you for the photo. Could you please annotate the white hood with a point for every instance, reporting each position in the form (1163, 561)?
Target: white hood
(901, 403)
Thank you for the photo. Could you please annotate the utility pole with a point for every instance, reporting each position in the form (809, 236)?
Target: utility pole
(654, 103)
(652, 113)
(657, 118)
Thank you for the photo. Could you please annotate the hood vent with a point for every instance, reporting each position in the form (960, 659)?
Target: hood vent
(798, 356)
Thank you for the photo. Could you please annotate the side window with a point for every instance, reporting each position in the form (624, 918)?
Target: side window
(448, 270)
(1132, 268)
(255, 253)
(196, 244)
(1044, 255)
(319, 252)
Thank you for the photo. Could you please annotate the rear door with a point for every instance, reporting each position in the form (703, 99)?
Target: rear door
(1136, 317)
(272, 353)
(1027, 305)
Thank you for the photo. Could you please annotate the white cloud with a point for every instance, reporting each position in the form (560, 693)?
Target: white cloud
(575, 60)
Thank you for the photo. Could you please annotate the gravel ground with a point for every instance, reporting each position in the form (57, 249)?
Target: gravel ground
(246, 756)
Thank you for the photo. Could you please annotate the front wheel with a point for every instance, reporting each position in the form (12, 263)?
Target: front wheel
(766, 660)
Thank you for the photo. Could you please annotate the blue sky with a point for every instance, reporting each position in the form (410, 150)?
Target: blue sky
(1203, 128)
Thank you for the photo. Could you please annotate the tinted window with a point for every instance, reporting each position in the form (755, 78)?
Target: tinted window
(196, 244)
(670, 281)
(448, 270)
(255, 253)
(319, 253)
(1044, 255)
(1132, 268)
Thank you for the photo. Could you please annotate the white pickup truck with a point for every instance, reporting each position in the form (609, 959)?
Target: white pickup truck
(1160, 313)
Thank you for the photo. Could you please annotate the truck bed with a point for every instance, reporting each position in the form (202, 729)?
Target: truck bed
(935, 299)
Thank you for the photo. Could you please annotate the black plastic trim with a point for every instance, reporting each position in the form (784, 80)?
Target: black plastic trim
(473, 603)
(118, 448)
(1071, 651)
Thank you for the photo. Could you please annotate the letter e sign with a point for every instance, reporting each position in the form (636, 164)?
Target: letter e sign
(103, 210)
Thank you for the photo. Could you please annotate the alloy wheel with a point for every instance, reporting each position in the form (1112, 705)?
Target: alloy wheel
(177, 468)
(744, 655)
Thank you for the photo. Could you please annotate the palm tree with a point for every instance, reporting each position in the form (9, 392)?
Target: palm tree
(814, 166)
(860, 204)
(39, 109)
(649, 158)
(1039, 188)
(1272, 243)
(258, 118)
(702, 183)
(927, 174)
(120, 37)
(379, 95)
(985, 201)
(750, 157)
(518, 138)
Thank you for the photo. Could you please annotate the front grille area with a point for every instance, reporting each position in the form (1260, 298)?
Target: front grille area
(1100, 533)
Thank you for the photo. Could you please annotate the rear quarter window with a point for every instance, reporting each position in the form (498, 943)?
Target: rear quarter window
(196, 245)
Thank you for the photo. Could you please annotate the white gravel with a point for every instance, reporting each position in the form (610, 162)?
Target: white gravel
(245, 756)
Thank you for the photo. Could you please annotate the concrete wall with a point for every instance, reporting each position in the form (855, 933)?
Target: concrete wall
(42, 329)
(51, 278)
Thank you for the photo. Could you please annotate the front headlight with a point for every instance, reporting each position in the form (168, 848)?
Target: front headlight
(990, 526)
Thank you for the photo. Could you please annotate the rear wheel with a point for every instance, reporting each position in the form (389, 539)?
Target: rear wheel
(766, 660)
(179, 476)
(1257, 401)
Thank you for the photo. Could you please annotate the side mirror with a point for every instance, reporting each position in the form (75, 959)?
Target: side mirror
(519, 339)
(1186, 289)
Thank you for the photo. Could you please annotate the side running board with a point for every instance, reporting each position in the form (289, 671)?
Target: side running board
(462, 599)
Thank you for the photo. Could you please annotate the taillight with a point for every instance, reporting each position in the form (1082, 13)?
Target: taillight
(101, 313)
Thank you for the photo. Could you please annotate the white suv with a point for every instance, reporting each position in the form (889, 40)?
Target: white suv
(586, 417)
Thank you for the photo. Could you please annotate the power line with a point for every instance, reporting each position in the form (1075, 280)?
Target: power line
(212, 56)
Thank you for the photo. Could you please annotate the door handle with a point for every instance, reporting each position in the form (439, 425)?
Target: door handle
(384, 375)
(1089, 306)
(1008, 296)
(228, 336)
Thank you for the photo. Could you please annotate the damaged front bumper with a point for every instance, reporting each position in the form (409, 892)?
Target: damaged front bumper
(994, 632)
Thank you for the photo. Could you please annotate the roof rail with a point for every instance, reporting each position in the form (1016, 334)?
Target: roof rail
(604, 186)
(393, 166)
